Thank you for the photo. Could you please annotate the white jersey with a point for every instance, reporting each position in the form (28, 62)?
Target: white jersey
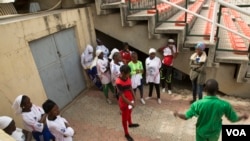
(102, 72)
(104, 49)
(58, 128)
(18, 135)
(153, 70)
(31, 119)
(115, 71)
(167, 51)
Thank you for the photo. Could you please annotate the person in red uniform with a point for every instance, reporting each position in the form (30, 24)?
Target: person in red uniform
(126, 53)
(126, 99)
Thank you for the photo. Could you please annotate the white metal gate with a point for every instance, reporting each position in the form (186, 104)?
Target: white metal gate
(58, 63)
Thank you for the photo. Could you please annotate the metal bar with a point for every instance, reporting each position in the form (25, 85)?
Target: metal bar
(197, 15)
(216, 4)
(219, 19)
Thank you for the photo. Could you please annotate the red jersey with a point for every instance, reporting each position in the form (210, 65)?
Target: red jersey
(126, 56)
(124, 87)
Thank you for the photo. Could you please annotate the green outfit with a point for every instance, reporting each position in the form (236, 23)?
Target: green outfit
(106, 88)
(210, 111)
(135, 66)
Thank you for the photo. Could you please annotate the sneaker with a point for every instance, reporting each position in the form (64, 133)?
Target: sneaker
(142, 101)
(133, 125)
(108, 101)
(128, 137)
(169, 92)
(159, 100)
(147, 98)
(163, 90)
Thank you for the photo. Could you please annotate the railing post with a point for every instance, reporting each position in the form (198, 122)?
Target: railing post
(214, 20)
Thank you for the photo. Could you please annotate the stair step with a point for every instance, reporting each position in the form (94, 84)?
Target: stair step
(191, 41)
(169, 28)
(114, 5)
(142, 15)
(200, 24)
(230, 57)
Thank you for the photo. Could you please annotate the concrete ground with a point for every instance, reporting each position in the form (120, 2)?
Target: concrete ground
(95, 120)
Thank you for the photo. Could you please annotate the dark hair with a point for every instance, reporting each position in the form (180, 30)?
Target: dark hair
(211, 86)
(125, 69)
(125, 43)
(134, 53)
(24, 97)
(48, 105)
(115, 55)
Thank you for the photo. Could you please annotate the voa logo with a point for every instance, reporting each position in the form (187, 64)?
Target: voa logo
(236, 132)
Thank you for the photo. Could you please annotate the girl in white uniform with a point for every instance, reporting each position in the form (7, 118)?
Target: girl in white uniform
(103, 48)
(58, 125)
(33, 118)
(153, 65)
(115, 65)
(87, 57)
(7, 124)
(103, 72)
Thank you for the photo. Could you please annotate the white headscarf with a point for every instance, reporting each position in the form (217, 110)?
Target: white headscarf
(5, 121)
(88, 49)
(113, 51)
(87, 57)
(97, 53)
(151, 50)
(17, 104)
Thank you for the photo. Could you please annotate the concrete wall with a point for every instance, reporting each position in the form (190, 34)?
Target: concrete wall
(18, 73)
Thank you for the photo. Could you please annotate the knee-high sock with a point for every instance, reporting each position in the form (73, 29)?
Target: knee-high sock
(105, 90)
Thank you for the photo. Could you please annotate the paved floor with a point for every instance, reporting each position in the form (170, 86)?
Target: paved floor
(95, 120)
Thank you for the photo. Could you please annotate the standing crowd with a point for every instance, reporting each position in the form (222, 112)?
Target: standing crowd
(121, 72)
(103, 68)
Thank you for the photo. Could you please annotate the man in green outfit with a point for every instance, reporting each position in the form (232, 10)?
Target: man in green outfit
(210, 111)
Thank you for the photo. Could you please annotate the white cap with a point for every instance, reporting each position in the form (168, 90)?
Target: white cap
(98, 52)
(171, 40)
(151, 50)
(5, 121)
(114, 50)
(17, 104)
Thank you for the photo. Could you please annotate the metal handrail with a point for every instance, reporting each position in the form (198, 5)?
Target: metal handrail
(214, 23)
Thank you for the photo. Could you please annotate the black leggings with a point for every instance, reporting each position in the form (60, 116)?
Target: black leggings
(140, 89)
(166, 76)
(157, 87)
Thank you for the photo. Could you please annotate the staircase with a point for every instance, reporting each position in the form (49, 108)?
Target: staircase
(149, 23)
